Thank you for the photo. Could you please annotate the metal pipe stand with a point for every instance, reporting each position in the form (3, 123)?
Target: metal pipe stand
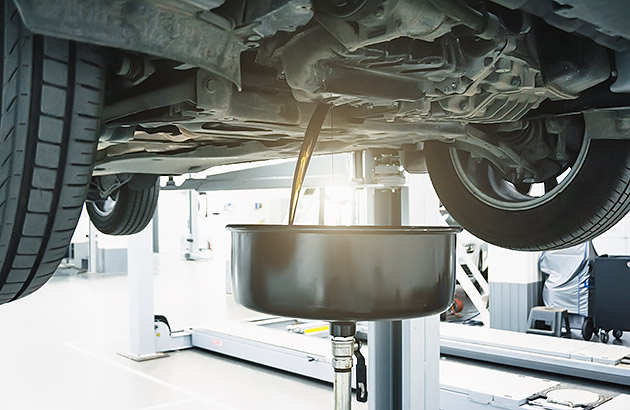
(344, 346)
(342, 349)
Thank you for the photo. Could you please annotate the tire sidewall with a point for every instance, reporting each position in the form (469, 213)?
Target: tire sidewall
(549, 223)
(111, 222)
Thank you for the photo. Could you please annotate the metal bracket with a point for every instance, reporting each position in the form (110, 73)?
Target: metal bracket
(611, 124)
(622, 83)
(496, 152)
(158, 27)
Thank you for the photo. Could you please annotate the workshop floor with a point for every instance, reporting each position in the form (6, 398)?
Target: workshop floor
(58, 349)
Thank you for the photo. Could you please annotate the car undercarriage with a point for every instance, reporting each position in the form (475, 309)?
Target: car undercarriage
(481, 76)
(519, 110)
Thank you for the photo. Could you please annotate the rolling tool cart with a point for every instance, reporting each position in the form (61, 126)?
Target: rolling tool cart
(609, 304)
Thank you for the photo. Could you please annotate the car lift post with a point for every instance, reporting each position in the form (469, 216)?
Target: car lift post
(403, 356)
(92, 248)
(140, 280)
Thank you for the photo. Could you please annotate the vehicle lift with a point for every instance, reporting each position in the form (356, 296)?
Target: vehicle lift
(403, 356)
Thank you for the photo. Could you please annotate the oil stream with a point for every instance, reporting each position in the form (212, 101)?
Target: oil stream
(306, 152)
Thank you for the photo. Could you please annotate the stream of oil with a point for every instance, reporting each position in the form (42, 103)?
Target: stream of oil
(306, 152)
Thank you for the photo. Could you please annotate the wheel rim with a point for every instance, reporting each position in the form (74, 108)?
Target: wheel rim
(484, 181)
(106, 208)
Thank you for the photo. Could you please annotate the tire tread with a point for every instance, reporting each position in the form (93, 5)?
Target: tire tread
(133, 212)
(40, 87)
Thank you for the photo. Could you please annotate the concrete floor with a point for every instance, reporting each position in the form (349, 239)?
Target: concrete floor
(59, 347)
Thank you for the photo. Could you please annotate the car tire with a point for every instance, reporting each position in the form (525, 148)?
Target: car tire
(52, 92)
(594, 200)
(132, 208)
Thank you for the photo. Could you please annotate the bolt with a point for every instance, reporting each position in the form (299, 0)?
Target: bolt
(209, 85)
(124, 66)
(516, 81)
(553, 125)
(379, 12)
(463, 105)
(622, 122)
(503, 65)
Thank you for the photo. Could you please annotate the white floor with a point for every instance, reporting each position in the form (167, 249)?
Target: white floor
(58, 349)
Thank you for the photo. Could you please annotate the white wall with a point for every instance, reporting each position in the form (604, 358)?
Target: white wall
(616, 241)
(507, 266)
(216, 209)
(423, 201)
